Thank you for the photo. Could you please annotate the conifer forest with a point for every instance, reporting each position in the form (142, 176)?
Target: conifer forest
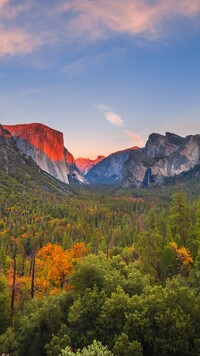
(99, 271)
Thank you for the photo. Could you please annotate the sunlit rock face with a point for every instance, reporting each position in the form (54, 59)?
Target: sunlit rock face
(42, 137)
(85, 164)
(110, 169)
(11, 158)
(162, 156)
(46, 147)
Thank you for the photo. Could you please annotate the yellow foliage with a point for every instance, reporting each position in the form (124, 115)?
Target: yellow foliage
(183, 256)
(54, 265)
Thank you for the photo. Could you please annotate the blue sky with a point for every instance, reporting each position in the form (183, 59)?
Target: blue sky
(106, 73)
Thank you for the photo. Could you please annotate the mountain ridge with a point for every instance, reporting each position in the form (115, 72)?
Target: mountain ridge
(110, 169)
(163, 156)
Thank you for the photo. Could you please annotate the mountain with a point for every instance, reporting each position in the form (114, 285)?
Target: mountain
(46, 147)
(18, 171)
(162, 157)
(110, 169)
(85, 164)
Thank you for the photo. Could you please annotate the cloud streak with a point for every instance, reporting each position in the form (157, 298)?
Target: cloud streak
(116, 120)
(99, 19)
(135, 137)
(16, 42)
(110, 116)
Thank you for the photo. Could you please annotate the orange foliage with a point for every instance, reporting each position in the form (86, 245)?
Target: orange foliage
(183, 256)
(54, 265)
(79, 250)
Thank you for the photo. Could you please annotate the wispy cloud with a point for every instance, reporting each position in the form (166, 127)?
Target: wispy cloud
(135, 137)
(110, 116)
(62, 21)
(10, 11)
(116, 120)
(15, 40)
(98, 19)
(3, 3)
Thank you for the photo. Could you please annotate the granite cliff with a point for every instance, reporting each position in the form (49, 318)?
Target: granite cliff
(110, 169)
(46, 147)
(162, 157)
(18, 171)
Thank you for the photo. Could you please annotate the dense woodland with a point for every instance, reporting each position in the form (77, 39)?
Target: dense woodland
(99, 271)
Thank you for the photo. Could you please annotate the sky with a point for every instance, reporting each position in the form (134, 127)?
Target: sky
(106, 73)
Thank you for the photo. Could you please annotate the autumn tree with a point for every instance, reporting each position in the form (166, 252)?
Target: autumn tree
(184, 259)
(54, 265)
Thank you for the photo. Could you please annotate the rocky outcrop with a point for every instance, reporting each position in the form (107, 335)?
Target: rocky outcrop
(85, 164)
(46, 147)
(5, 133)
(110, 169)
(162, 157)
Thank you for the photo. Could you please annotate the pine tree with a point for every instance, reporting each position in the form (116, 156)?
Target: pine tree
(180, 219)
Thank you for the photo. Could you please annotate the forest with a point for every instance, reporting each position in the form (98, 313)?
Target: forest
(100, 271)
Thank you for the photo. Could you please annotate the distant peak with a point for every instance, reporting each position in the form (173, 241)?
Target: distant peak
(85, 164)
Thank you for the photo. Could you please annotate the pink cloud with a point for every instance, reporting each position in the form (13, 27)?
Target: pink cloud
(9, 11)
(13, 39)
(3, 3)
(135, 137)
(16, 42)
(88, 20)
(96, 18)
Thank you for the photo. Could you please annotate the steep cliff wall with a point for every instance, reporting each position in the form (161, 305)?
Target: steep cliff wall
(46, 147)
(162, 156)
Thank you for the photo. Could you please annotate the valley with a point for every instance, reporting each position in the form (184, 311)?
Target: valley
(99, 178)
(87, 267)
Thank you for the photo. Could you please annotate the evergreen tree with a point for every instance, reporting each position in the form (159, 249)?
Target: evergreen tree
(180, 219)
